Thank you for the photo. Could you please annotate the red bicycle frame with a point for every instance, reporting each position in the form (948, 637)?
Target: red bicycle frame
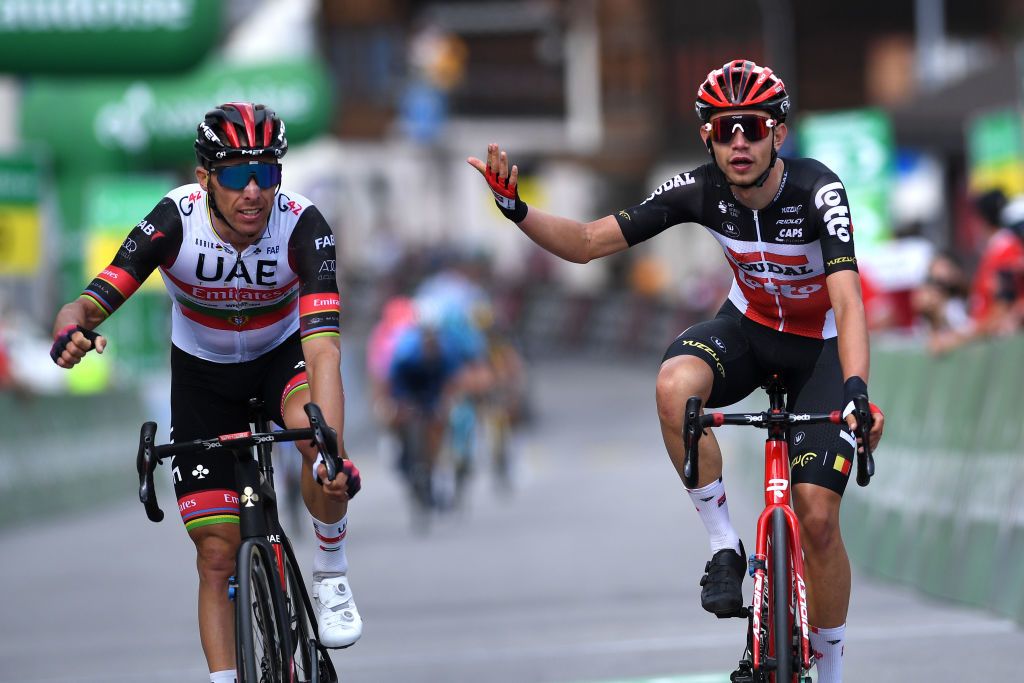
(777, 497)
(777, 500)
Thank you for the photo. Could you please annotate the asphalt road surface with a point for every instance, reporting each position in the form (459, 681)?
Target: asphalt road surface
(587, 573)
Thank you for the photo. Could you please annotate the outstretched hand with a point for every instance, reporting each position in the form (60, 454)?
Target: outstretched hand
(496, 169)
(503, 181)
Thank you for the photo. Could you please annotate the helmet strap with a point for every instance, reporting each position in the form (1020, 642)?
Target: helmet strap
(212, 203)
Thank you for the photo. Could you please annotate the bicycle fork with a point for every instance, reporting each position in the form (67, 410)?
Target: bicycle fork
(777, 497)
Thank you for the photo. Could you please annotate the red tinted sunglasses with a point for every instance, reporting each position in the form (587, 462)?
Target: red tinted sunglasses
(752, 126)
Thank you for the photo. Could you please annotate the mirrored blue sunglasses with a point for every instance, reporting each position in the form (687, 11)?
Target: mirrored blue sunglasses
(237, 177)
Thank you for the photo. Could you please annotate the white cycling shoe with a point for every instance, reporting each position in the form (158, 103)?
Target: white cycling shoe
(338, 621)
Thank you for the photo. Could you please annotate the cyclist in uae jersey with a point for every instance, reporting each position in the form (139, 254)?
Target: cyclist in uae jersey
(250, 269)
(795, 307)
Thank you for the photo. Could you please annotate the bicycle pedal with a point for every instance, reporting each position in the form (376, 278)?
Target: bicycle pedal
(743, 674)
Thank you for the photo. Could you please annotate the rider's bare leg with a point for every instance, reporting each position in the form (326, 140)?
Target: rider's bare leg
(828, 576)
(216, 547)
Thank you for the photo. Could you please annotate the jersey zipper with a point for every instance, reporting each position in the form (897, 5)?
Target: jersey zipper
(764, 260)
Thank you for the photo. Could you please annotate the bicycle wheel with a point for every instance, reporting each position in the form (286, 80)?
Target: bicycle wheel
(310, 661)
(262, 643)
(781, 588)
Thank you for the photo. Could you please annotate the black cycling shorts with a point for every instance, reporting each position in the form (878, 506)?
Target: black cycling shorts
(742, 354)
(211, 399)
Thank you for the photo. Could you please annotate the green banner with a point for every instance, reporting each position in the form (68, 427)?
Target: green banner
(139, 330)
(21, 231)
(858, 146)
(106, 36)
(117, 123)
(995, 152)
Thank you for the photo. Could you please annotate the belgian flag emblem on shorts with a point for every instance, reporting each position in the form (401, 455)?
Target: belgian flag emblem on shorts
(841, 465)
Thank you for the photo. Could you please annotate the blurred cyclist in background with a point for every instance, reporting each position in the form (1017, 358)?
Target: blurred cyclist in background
(437, 369)
(795, 307)
(505, 407)
(253, 315)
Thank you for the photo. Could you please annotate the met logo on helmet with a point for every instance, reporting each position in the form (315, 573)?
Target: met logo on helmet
(208, 133)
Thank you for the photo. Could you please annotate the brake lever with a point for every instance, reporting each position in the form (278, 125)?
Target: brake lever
(865, 460)
(145, 463)
(324, 438)
(691, 435)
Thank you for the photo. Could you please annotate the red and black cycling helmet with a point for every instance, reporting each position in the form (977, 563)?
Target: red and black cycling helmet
(239, 130)
(742, 84)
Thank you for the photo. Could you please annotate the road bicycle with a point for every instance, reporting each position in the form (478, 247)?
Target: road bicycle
(778, 644)
(276, 637)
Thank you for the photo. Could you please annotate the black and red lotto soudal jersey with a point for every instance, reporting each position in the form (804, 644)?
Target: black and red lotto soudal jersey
(780, 255)
(230, 306)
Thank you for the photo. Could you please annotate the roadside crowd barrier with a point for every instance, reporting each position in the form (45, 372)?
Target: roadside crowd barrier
(945, 510)
(61, 453)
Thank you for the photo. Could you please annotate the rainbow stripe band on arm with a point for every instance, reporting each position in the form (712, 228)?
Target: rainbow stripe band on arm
(111, 288)
(319, 315)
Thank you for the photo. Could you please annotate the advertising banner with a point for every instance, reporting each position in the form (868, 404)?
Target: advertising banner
(139, 330)
(136, 123)
(21, 232)
(858, 146)
(106, 36)
(995, 152)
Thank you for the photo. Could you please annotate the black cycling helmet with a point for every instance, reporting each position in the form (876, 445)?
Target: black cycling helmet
(742, 84)
(238, 130)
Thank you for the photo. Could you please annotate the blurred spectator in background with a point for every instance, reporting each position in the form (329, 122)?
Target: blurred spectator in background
(997, 284)
(879, 306)
(940, 302)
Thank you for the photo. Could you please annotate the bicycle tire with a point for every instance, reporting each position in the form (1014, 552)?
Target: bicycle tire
(262, 643)
(781, 633)
(310, 661)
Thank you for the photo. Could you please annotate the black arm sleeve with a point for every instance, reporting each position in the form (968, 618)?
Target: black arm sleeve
(312, 256)
(679, 199)
(831, 218)
(153, 242)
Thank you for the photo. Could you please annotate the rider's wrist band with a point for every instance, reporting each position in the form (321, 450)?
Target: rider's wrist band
(855, 386)
(513, 209)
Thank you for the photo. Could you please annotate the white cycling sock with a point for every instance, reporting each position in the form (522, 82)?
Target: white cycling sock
(225, 676)
(329, 556)
(714, 512)
(827, 646)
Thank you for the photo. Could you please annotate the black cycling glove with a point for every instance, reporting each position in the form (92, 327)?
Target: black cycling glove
(60, 342)
(852, 388)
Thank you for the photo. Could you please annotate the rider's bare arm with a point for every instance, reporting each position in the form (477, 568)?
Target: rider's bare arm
(566, 238)
(572, 240)
(851, 322)
(82, 311)
(323, 368)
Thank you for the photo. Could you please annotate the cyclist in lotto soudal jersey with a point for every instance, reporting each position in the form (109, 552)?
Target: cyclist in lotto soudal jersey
(250, 269)
(795, 308)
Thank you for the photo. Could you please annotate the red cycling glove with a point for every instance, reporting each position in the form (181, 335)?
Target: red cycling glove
(506, 196)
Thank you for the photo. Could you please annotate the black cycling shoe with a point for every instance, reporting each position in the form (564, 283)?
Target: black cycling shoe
(722, 583)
